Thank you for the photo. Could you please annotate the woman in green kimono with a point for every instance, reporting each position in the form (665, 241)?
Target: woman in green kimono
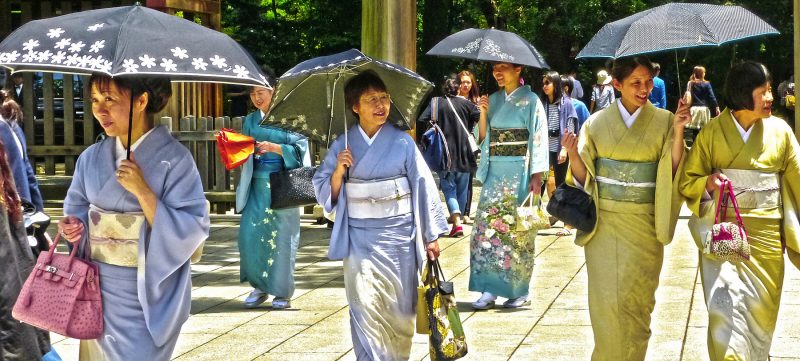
(626, 159)
(268, 238)
(513, 136)
(758, 153)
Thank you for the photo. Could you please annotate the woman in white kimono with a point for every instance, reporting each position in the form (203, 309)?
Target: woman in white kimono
(142, 219)
(513, 135)
(385, 211)
(626, 160)
(758, 153)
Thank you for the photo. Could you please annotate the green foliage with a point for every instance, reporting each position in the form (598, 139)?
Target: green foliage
(281, 33)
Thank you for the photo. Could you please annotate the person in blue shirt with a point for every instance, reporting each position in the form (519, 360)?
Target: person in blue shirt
(659, 94)
(580, 107)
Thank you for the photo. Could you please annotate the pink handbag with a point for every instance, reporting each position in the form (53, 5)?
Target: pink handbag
(728, 240)
(62, 295)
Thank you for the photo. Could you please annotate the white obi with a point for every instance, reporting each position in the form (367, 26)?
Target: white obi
(755, 189)
(114, 237)
(378, 199)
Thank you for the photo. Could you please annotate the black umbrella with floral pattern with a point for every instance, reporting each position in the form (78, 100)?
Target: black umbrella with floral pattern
(129, 41)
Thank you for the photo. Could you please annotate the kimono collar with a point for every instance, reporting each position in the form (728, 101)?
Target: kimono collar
(628, 118)
(744, 133)
(512, 92)
(120, 152)
(364, 135)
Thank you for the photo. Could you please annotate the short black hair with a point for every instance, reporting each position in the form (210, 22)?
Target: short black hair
(566, 82)
(623, 67)
(450, 86)
(158, 89)
(359, 85)
(742, 79)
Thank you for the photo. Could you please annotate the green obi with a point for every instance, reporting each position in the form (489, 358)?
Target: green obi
(508, 141)
(626, 181)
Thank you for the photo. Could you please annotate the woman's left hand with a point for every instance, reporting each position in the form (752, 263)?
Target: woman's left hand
(433, 250)
(682, 117)
(264, 147)
(535, 185)
(129, 175)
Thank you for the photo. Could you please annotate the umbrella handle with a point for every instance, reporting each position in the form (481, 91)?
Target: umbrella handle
(347, 174)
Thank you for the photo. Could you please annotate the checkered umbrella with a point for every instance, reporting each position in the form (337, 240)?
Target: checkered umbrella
(675, 26)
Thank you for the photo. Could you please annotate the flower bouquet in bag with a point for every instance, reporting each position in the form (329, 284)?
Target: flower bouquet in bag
(530, 217)
(727, 241)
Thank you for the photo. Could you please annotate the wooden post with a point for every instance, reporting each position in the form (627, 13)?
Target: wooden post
(796, 57)
(389, 33)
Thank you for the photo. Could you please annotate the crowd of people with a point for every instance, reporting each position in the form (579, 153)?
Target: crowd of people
(637, 161)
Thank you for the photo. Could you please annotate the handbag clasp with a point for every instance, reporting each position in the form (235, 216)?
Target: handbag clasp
(51, 269)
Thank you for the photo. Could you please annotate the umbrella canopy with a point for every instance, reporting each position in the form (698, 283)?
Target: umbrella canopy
(675, 26)
(309, 98)
(489, 45)
(129, 41)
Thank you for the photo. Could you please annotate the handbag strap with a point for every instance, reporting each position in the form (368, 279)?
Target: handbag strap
(732, 197)
(435, 110)
(723, 200)
(458, 117)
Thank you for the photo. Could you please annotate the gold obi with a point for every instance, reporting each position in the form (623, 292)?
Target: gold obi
(114, 237)
(755, 189)
(626, 181)
(508, 142)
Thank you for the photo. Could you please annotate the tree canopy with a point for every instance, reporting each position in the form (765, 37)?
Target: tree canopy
(281, 33)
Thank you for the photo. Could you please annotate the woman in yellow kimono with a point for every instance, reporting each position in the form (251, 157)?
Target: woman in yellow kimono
(630, 154)
(758, 153)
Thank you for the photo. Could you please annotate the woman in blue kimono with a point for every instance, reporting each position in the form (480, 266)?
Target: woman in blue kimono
(268, 238)
(142, 219)
(385, 211)
(513, 136)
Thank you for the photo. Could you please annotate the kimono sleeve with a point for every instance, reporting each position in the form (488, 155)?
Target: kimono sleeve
(322, 177)
(181, 223)
(76, 203)
(790, 195)
(696, 169)
(427, 206)
(295, 153)
(538, 152)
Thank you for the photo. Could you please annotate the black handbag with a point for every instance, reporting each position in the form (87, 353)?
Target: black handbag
(292, 188)
(574, 207)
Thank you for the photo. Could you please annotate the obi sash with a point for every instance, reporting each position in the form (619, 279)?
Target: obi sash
(626, 181)
(114, 237)
(378, 199)
(755, 189)
(508, 141)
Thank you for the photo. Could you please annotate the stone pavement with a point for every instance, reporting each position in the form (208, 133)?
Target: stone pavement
(555, 327)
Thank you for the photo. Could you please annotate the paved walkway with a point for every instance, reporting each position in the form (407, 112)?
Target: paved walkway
(555, 327)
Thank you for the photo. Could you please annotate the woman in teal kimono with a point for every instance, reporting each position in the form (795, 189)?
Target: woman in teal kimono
(142, 218)
(513, 136)
(268, 238)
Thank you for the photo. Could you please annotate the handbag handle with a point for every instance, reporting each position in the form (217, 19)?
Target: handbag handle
(53, 250)
(726, 194)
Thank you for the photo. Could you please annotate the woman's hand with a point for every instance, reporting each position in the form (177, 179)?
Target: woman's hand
(714, 182)
(433, 250)
(535, 185)
(483, 104)
(343, 161)
(130, 177)
(71, 228)
(264, 147)
(682, 117)
(569, 143)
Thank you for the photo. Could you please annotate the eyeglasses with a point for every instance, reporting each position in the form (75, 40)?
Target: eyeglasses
(374, 100)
